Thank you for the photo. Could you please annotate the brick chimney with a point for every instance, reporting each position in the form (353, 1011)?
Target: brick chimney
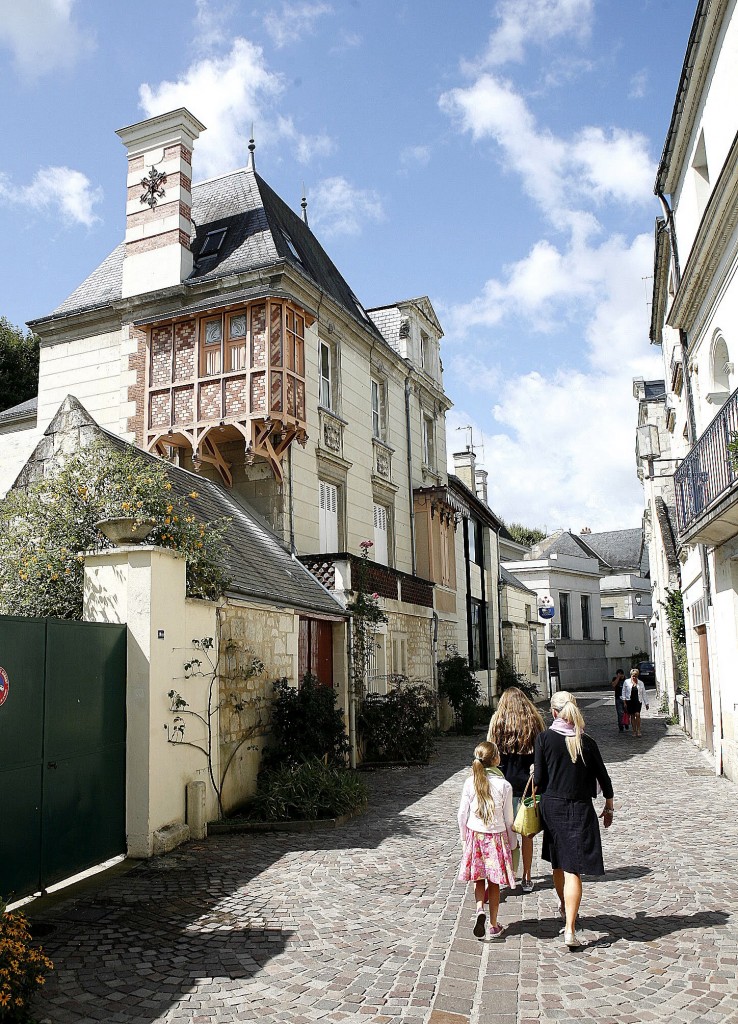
(481, 488)
(159, 205)
(465, 468)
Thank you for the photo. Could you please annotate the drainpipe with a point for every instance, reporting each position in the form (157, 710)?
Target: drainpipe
(683, 340)
(410, 473)
(293, 549)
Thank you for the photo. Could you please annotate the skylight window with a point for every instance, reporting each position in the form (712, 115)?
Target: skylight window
(291, 246)
(213, 241)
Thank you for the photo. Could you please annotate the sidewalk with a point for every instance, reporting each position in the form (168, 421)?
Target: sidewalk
(367, 924)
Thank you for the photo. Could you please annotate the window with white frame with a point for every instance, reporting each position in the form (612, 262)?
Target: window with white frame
(381, 534)
(429, 445)
(328, 517)
(379, 409)
(325, 375)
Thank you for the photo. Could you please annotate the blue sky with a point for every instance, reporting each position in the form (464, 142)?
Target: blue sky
(496, 156)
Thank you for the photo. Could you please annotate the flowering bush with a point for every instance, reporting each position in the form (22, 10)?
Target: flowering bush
(22, 968)
(398, 725)
(46, 529)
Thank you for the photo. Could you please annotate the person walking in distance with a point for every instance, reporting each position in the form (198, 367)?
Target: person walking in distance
(485, 824)
(568, 767)
(617, 684)
(634, 696)
(513, 728)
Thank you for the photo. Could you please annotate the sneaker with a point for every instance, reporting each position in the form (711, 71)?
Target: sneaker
(527, 885)
(495, 932)
(571, 939)
(480, 920)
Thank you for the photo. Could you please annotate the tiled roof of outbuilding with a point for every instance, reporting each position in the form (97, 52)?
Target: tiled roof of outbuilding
(24, 411)
(512, 581)
(260, 567)
(621, 549)
(261, 230)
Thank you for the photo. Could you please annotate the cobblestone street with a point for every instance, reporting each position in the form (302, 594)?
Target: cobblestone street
(367, 923)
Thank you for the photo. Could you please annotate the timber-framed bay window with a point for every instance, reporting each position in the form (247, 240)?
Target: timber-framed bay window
(228, 374)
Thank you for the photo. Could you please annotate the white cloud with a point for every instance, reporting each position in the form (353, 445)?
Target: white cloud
(560, 175)
(228, 93)
(338, 208)
(56, 189)
(211, 25)
(638, 85)
(42, 35)
(415, 156)
(535, 21)
(294, 21)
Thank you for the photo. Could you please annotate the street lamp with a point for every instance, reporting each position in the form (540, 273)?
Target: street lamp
(638, 599)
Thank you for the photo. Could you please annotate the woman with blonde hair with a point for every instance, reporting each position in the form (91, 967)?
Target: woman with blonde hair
(485, 823)
(568, 769)
(514, 727)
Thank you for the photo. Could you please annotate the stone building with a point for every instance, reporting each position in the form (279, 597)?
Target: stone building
(684, 443)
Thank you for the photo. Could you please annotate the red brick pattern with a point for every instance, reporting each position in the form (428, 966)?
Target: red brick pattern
(416, 591)
(136, 392)
(184, 406)
(275, 402)
(147, 216)
(237, 396)
(178, 151)
(158, 241)
(159, 409)
(258, 392)
(210, 400)
(173, 184)
(135, 163)
(161, 356)
(184, 350)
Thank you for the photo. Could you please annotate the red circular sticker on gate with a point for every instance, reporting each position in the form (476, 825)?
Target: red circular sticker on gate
(4, 686)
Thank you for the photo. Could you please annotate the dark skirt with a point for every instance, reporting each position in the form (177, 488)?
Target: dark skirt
(571, 836)
(634, 706)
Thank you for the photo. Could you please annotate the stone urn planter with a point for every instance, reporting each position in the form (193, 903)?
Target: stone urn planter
(124, 530)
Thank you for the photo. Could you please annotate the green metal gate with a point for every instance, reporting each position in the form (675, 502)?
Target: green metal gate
(62, 749)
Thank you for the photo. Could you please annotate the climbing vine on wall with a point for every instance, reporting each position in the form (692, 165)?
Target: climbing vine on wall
(674, 609)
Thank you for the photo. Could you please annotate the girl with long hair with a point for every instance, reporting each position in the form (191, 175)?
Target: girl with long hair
(514, 727)
(485, 824)
(568, 769)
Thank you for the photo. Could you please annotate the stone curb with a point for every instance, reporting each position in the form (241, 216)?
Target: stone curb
(236, 826)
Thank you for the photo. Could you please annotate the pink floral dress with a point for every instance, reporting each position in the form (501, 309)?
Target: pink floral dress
(487, 854)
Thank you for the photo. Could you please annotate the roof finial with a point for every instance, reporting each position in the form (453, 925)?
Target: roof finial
(252, 146)
(304, 204)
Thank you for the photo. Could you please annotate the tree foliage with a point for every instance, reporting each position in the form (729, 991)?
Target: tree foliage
(306, 723)
(458, 684)
(47, 528)
(18, 365)
(528, 535)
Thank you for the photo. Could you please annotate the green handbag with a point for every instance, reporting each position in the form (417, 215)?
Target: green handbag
(528, 819)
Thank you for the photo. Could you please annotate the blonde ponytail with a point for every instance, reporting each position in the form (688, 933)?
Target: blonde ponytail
(566, 707)
(486, 755)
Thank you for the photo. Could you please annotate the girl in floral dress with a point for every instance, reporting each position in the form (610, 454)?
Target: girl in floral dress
(485, 823)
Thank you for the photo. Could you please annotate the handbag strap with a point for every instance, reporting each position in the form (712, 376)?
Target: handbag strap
(529, 784)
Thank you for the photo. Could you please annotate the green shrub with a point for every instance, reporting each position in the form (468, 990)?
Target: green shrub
(22, 967)
(399, 725)
(306, 792)
(458, 684)
(507, 677)
(482, 714)
(306, 723)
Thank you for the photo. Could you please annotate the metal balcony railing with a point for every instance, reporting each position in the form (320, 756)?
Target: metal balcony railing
(708, 472)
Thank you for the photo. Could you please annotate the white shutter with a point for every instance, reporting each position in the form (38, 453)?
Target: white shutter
(328, 518)
(380, 534)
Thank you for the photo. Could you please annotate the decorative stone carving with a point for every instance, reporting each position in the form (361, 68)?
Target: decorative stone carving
(332, 436)
(383, 464)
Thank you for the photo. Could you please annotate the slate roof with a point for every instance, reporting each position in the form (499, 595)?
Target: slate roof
(25, 411)
(259, 565)
(561, 543)
(620, 549)
(512, 581)
(261, 230)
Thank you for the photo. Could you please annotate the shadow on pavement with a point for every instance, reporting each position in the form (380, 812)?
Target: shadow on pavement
(618, 928)
(135, 944)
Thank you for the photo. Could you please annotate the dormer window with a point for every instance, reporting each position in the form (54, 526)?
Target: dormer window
(291, 246)
(213, 242)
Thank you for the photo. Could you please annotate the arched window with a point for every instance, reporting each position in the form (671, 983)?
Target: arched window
(721, 370)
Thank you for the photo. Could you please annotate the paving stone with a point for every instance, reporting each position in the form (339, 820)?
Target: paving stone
(295, 929)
